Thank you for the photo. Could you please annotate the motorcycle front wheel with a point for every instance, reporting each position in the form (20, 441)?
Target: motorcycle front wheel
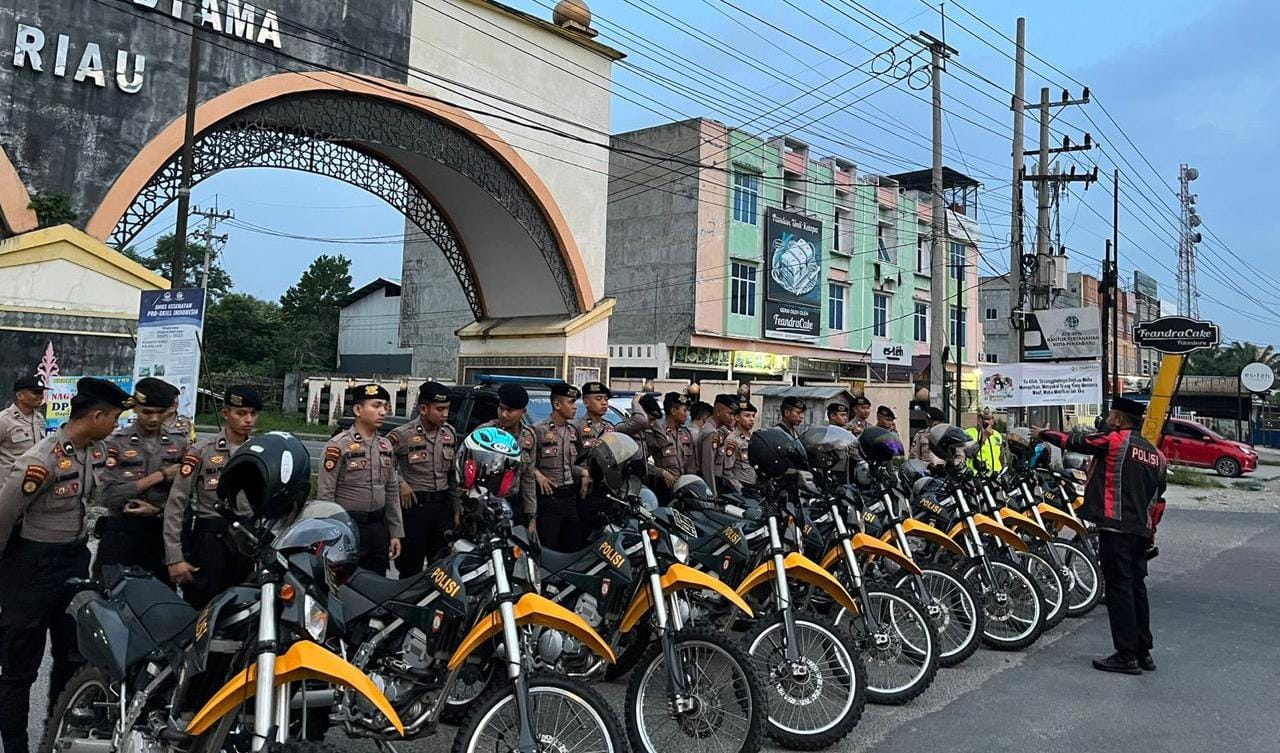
(952, 605)
(85, 712)
(901, 653)
(726, 707)
(1013, 605)
(817, 700)
(568, 717)
(1052, 585)
(1084, 581)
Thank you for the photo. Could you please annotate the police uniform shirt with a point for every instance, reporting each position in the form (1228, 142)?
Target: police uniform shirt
(794, 431)
(48, 489)
(856, 425)
(181, 426)
(741, 470)
(590, 430)
(201, 469)
(672, 449)
(528, 482)
(359, 473)
(920, 449)
(716, 455)
(555, 450)
(18, 433)
(132, 457)
(424, 457)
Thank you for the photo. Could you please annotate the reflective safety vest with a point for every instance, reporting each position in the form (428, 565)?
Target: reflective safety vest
(991, 450)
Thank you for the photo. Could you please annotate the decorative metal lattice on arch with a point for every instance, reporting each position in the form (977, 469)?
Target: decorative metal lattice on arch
(338, 136)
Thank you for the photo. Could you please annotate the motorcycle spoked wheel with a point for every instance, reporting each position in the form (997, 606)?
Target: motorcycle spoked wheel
(473, 680)
(1083, 578)
(952, 604)
(1052, 586)
(634, 646)
(901, 657)
(729, 707)
(1013, 605)
(829, 663)
(569, 717)
(86, 709)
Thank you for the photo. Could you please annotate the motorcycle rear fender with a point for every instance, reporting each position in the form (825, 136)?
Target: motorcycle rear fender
(1014, 519)
(676, 578)
(1060, 518)
(805, 570)
(872, 547)
(992, 528)
(532, 609)
(303, 661)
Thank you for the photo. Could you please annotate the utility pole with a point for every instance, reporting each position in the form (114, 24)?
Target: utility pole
(1015, 216)
(188, 158)
(1104, 294)
(1115, 283)
(211, 219)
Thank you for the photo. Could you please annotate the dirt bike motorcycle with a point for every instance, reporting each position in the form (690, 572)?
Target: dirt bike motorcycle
(161, 677)
(893, 632)
(469, 611)
(691, 687)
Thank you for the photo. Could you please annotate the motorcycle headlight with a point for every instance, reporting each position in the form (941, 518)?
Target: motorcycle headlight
(681, 549)
(315, 619)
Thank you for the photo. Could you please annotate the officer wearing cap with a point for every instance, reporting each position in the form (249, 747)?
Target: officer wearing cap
(424, 450)
(990, 450)
(792, 415)
(198, 550)
(861, 415)
(513, 402)
(920, 442)
(591, 427)
(43, 502)
(885, 418)
(359, 473)
(560, 482)
(22, 423)
(717, 451)
(742, 473)
(142, 461)
(668, 442)
(838, 415)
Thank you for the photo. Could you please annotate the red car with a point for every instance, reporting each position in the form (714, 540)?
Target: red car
(1188, 443)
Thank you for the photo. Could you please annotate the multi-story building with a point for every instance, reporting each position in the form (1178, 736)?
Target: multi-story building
(753, 258)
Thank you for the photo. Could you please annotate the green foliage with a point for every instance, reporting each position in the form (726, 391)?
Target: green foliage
(1230, 359)
(310, 310)
(1194, 479)
(160, 260)
(242, 335)
(52, 209)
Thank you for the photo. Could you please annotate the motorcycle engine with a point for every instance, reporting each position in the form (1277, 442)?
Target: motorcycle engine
(407, 671)
(565, 651)
(589, 610)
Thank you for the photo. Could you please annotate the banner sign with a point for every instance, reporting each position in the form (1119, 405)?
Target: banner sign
(1062, 334)
(1176, 335)
(1144, 284)
(1022, 385)
(890, 353)
(746, 360)
(170, 324)
(57, 400)
(793, 276)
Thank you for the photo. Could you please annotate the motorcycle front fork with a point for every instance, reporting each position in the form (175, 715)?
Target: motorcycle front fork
(869, 622)
(526, 741)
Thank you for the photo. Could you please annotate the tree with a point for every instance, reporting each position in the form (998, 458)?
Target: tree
(52, 209)
(242, 335)
(160, 260)
(310, 310)
(1230, 359)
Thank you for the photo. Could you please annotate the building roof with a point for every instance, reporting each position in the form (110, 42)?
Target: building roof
(392, 288)
(815, 392)
(922, 180)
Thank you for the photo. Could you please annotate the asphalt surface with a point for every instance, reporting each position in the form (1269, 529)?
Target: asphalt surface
(1215, 613)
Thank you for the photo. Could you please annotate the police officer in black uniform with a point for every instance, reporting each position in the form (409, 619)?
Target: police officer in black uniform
(43, 539)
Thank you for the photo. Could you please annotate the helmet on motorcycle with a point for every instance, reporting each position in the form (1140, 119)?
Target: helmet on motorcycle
(773, 452)
(862, 474)
(693, 492)
(327, 531)
(913, 470)
(1019, 443)
(827, 445)
(272, 471)
(879, 445)
(489, 461)
(945, 439)
(929, 487)
(617, 463)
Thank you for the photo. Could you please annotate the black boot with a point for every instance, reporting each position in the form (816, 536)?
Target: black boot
(1118, 662)
(1147, 663)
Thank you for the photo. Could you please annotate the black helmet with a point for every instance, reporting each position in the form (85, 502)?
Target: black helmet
(272, 471)
(326, 530)
(913, 470)
(827, 445)
(879, 445)
(693, 492)
(773, 452)
(617, 463)
(1019, 443)
(945, 439)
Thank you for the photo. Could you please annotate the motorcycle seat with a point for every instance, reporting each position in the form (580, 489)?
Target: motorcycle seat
(554, 562)
(160, 613)
(379, 589)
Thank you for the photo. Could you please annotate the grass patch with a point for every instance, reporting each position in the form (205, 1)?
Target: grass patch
(1268, 461)
(273, 421)
(1248, 485)
(1188, 477)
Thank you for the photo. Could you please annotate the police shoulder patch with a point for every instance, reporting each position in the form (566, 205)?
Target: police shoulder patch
(187, 467)
(394, 439)
(33, 478)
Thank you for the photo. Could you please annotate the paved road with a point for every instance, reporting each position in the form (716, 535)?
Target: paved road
(1215, 613)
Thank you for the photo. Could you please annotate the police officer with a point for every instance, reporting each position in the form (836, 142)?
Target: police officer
(885, 418)
(990, 452)
(43, 505)
(200, 554)
(792, 415)
(424, 450)
(669, 443)
(591, 427)
(142, 461)
(920, 442)
(560, 482)
(741, 472)
(838, 415)
(861, 415)
(359, 473)
(22, 423)
(178, 424)
(513, 402)
(716, 454)
(699, 416)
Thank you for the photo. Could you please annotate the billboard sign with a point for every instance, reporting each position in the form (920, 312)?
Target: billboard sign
(1021, 385)
(1144, 284)
(57, 400)
(1176, 335)
(793, 276)
(1063, 334)
(890, 353)
(170, 325)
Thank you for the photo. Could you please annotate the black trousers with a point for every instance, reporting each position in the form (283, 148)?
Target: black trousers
(590, 518)
(219, 563)
(1124, 568)
(425, 525)
(33, 603)
(132, 541)
(375, 542)
(559, 528)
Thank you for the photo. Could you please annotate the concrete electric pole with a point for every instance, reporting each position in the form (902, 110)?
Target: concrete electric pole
(211, 219)
(1016, 250)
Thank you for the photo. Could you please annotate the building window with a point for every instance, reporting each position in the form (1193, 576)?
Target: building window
(836, 297)
(923, 251)
(743, 300)
(746, 197)
(883, 252)
(880, 315)
(992, 315)
(922, 322)
(958, 327)
(841, 225)
(958, 260)
(990, 358)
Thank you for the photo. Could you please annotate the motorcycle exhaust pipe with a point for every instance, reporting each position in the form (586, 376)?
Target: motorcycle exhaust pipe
(88, 746)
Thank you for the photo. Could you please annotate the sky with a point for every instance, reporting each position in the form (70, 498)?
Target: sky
(1187, 82)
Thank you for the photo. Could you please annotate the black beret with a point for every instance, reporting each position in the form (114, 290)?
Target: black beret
(791, 401)
(886, 412)
(1128, 407)
(747, 407)
(563, 389)
(371, 392)
(242, 396)
(513, 396)
(432, 392)
(150, 392)
(649, 404)
(935, 414)
(28, 383)
(95, 390)
(596, 388)
(835, 408)
(862, 401)
(672, 399)
(727, 399)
